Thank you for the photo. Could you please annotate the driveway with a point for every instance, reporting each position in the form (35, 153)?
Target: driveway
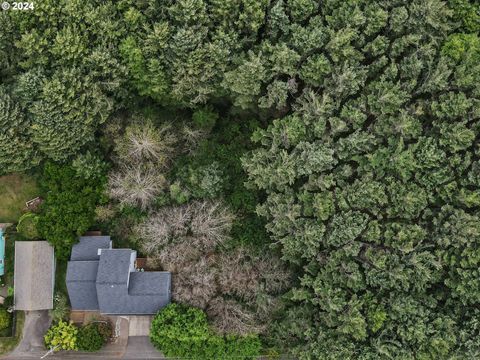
(140, 347)
(36, 325)
(125, 347)
(139, 325)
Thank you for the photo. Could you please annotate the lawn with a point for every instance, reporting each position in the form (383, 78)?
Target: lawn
(7, 344)
(60, 277)
(15, 190)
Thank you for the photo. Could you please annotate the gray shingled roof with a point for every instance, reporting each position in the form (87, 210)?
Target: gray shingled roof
(147, 293)
(81, 279)
(82, 270)
(111, 284)
(34, 275)
(114, 266)
(87, 247)
(149, 283)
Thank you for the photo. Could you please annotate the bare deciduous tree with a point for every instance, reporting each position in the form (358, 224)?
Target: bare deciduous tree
(274, 276)
(237, 276)
(201, 224)
(145, 142)
(195, 284)
(135, 186)
(245, 275)
(229, 317)
(211, 221)
(175, 258)
(234, 287)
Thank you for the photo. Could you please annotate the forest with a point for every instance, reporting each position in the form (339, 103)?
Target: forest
(309, 171)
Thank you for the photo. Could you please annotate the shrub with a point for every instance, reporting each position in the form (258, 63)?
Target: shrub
(8, 301)
(104, 213)
(105, 330)
(62, 336)
(5, 319)
(89, 165)
(181, 331)
(204, 181)
(89, 338)
(178, 194)
(27, 226)
(60, 308)
(205, 118)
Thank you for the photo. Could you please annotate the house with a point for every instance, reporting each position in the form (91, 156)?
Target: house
(34, 275)
(100, 278)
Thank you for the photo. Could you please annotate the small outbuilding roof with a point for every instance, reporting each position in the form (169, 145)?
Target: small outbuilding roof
(34, 275)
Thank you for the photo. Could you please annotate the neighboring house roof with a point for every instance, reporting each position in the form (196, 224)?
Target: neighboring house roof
(109, 282)
(34, 275)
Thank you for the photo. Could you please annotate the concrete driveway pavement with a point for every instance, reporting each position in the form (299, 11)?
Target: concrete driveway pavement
(139, 325)
(35, 327)
(140, 347)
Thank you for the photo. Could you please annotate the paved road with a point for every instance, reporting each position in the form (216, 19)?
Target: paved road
(138, 348)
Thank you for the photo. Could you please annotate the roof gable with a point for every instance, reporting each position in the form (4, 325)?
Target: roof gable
(114, 266)
(87, 247)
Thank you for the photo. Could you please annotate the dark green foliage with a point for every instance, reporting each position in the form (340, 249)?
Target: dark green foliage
(61, 69)
(467, 13)
(27, 226)
(16, 150)
(368, 178)
(371, 179)
(181, 331)
(178, 51)
(89, 338)
(214, 170)
(89, 165)
(205, 118)
(69, 207)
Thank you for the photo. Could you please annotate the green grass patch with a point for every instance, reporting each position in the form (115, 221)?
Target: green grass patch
(7, 344)
(61, 277)
(16, 189)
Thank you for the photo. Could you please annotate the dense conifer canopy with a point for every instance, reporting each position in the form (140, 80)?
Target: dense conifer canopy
(365, 163)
